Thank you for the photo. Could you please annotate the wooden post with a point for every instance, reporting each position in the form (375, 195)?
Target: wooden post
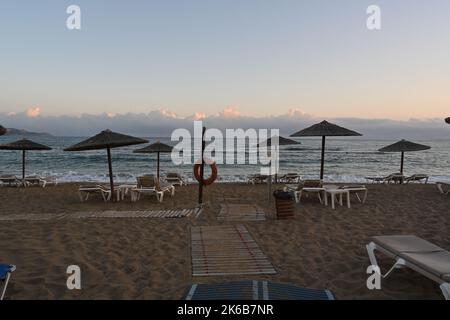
(111, 180)
(323, 158)
(202, 169)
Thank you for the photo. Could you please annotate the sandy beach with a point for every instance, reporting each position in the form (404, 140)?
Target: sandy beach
(149, 258)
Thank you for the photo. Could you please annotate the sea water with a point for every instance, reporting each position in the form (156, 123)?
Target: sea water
(346, 160)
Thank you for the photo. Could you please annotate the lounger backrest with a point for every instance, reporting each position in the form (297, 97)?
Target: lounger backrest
(146, 182)
(312, 184)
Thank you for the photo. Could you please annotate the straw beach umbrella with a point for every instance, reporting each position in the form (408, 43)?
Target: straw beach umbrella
(404, 146)
(24, 145)
(325, 129)
(106, 140)
(157, 148)
(281, 142)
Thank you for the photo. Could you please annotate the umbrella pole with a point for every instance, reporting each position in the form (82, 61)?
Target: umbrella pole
(157, 167)
(269, 182)
(202, 169)
(323, 158)
(401, 163)
(111, 180)
(23, 165)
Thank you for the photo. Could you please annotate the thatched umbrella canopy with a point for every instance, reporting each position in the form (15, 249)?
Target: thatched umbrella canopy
(3, 130)
(282, 141)
(106, 140)
(24, 145)
(324, 129)
(404, 146)
(157, 148)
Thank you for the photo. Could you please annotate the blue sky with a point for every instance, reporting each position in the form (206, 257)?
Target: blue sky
(257, 57)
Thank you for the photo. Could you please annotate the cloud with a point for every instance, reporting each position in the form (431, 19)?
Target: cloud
(161, 122)
(34, 112)
(297, 113)
(167, 113)
(197, 116)
(229, 112)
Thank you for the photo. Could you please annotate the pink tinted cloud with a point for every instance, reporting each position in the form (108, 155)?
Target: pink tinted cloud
(34, 112)
(230, 112)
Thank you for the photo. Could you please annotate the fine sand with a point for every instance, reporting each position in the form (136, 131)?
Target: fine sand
(137, 258)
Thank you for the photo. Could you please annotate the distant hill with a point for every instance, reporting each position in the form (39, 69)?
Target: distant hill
(25, 133)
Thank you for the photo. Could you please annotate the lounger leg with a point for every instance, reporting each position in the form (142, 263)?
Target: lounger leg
(6, 285)
(399, 263)
(173, 191)
(348, 200)
(371, 247)
(298, 196)
(445, 287)
(161, 196)
(365, 196)
(320, 198)
(332, 201)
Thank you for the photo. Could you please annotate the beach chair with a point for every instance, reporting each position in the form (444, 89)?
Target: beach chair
(175, 178)
(10, 181)
(392, 178)
(415, 253)
(290, 178)
(257, 178)
(417, 178)
(254, 290)
(41, 181)
(356, 190)
(5, 275)
(396, 178)
(150, 184)
(305, 188)
(440, 186)
(88, 190)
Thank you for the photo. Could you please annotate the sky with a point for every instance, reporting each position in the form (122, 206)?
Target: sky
(263, 60)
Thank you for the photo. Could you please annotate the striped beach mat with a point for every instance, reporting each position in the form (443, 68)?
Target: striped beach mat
(226, 250)
(255, 290)
(241, 212)
(177, 213)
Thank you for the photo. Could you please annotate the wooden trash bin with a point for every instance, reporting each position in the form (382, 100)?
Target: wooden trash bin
(284, 204)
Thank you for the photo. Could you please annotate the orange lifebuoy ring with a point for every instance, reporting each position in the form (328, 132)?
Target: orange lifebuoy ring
(213, 176)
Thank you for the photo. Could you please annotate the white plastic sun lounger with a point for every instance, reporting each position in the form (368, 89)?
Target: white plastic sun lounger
(415, 253)
(85, 191)
(41, 181)
(420, 178)
(175, 178)
(151, 184)
(11, 181)
(440, 185)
